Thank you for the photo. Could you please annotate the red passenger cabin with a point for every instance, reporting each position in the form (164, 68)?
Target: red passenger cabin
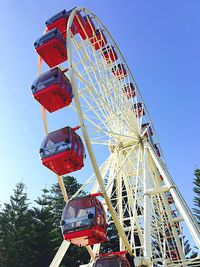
(113, 259)
(83, 221)
(88, 28)
(147, 130)
(119, 71)
(52, 90)
(82, 25)
(139, 110)
(60, 21)
(98, 40)
(129, 91)
(109, 54)
(62, 151)
(52, 48)
(175, 256)
(157, 150)
(169, 198)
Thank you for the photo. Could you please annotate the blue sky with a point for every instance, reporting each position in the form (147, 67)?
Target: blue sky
(160, 41)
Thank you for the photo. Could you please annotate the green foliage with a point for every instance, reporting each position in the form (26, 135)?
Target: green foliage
(112, 243)
(30, 237)
(44, 236)
(15, 236)
(196, 190)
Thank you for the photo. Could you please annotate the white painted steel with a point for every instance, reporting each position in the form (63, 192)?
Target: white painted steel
(133, 179)
(60, 254)
(147, 209)
(181, 204)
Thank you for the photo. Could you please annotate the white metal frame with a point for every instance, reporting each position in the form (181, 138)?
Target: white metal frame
(135, 196)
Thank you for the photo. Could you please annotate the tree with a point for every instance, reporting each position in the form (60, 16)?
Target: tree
(44, 234)
(196, 200)
(15, 235)
(30, 236)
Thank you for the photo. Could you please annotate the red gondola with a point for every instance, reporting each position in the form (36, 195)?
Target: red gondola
(119, 71)
(52, 90)
(139, 110)
(113, 259)
(62, 151)
(175, 255)
(157, 150)
(83, 221)
(129, 90)
(168, 232)
(60, 21)
(98, 40)
(82, 25)
(177, 226)
(52, 48)
(89, 27)
(147, 129)
(169, 198)
(109, 54)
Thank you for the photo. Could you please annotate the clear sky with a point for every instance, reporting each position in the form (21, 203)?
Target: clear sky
(160, 41)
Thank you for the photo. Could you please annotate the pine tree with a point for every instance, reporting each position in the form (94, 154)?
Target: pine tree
(15, 236)
(44, 235)
(196, 200)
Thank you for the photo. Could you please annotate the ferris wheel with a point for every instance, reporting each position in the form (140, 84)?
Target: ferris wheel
(132, 186)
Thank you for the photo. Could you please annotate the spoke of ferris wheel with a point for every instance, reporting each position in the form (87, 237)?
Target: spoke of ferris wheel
(111, 121)
(114, 83)
(98, 129)
(103, 103)
(102, 107)
(85, 117)
(91, 86)
(92, 178)
(104, 86)
(101, 129)
(96, 111)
